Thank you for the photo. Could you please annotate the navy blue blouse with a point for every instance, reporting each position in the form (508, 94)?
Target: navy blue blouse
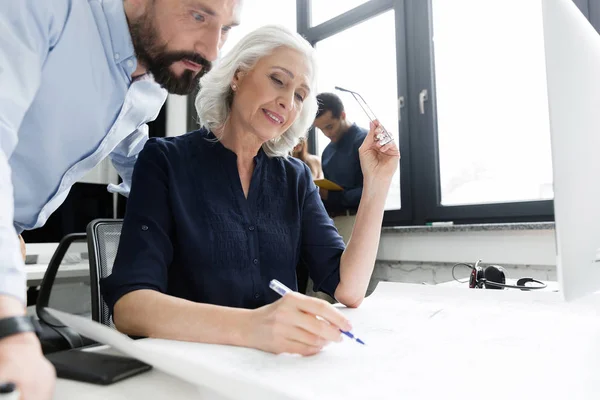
(341, 164)
(190, 232)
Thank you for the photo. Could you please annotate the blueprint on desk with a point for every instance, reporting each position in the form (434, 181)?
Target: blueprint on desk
(422, 342)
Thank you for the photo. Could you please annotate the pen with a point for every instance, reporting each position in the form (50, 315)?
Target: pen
(8, 391)
(282, 290)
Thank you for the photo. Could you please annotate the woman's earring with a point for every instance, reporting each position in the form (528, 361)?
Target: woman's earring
(234, 87)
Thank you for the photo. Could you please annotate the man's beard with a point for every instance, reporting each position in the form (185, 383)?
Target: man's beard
(155, 57)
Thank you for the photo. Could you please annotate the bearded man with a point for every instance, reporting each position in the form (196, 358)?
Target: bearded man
(79, 81)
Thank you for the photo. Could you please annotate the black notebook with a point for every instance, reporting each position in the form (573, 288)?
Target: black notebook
(94, 367)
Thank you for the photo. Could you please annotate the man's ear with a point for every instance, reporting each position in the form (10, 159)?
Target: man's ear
(343, 115)
(135, 8)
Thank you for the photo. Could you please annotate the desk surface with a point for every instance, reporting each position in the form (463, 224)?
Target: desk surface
(74, 267)
(423, 342)
(154, 384)
(66, 272)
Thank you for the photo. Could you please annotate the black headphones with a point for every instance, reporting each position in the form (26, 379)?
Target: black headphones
(494, 277)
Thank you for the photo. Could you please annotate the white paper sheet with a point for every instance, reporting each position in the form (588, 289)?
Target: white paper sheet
(424, 343)
(196, 371)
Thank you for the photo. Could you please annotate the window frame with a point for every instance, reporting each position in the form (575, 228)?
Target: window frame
(347, 20)
(419, 165)
(424, 133)
(420, 174)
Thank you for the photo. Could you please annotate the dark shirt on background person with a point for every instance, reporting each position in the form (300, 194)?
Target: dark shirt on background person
(341, 164)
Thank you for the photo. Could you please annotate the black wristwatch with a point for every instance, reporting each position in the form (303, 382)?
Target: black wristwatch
(15, 325)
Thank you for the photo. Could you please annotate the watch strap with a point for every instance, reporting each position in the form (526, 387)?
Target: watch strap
(14, 325)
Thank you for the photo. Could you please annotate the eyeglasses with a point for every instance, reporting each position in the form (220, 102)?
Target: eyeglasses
(384, 136)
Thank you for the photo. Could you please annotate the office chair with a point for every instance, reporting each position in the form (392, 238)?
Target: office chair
(103, 241)
(53, 334)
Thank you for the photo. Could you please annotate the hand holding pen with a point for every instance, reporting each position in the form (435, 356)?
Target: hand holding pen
(282, 290)
(296, 324)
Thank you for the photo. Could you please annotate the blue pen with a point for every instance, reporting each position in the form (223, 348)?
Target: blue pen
(282, 290)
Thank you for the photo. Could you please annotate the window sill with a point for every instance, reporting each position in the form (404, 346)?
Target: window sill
(471, 228)
(511, 243)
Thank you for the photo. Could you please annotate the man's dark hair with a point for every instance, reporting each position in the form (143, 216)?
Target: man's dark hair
(329, 102)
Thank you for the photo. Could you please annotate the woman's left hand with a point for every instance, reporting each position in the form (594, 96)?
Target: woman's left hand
(378, 162)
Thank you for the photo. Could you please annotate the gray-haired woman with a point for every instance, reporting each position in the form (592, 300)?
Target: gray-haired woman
(216, 214)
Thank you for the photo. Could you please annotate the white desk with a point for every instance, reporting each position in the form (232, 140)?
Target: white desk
(154, 384)
(74, 267)
(66, 272)
(423, 342)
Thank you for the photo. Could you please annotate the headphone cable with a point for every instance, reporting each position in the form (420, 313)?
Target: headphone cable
(460, 264)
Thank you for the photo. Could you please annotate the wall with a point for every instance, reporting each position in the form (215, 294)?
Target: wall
(427, 254)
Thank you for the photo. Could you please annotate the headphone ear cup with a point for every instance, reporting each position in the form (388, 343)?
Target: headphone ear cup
(475, 279)
(494, 274)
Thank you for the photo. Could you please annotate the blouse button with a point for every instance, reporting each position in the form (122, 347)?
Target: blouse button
(255, 261)
(251, 227)
(144, 227)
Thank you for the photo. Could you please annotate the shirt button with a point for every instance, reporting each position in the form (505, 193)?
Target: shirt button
(117, 56)
(256, 295)
(255, 261)
(144, 227)
(130, 63)
(251, 227)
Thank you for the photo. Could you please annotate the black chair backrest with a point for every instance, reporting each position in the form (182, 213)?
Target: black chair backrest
(53, 334)
(103, 241)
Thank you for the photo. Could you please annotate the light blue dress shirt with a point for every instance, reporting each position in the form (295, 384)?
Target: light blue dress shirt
(67, 101)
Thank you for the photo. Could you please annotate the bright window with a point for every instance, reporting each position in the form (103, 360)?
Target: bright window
(492, 108)
(256, 13)
(363, 59)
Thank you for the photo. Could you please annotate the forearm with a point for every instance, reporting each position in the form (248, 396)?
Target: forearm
(358, 260)
(11, 307)
(153, 314)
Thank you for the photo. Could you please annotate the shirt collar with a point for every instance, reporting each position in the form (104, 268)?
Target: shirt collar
(118, 27)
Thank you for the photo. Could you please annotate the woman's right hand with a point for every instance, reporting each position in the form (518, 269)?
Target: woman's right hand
(290, 325)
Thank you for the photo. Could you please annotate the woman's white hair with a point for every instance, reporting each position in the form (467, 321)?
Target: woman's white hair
(213, 102)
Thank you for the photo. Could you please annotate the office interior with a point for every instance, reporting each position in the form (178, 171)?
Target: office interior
(464, 95)
(464, 183)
